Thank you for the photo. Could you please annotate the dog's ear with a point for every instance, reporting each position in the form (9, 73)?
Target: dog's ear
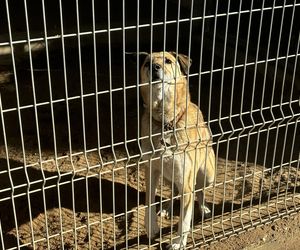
(133, 56)
(184, 61)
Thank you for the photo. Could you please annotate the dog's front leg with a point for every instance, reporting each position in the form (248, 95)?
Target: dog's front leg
(152, 178)
(184, 223)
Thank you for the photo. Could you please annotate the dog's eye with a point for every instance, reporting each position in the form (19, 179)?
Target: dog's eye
(168, 61)
(147, 64)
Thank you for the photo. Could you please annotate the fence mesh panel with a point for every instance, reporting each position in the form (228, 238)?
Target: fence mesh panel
(72, 161)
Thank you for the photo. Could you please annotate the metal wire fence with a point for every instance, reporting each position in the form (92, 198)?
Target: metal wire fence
(72, 163)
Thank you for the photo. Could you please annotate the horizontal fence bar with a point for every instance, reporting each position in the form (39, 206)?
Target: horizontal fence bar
(132, 27)
(81, 178)
(79, 97)
(80, 153)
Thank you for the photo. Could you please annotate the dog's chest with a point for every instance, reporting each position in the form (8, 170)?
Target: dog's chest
(161, 95)
(170, 160)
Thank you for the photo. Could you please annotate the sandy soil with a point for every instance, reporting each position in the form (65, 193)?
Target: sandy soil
(104, 222)
(281, 234)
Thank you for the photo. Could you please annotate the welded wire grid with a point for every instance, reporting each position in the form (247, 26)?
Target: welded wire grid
(72, 168)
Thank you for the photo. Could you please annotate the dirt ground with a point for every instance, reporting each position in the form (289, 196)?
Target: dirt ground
(105, 222)
(281, 234)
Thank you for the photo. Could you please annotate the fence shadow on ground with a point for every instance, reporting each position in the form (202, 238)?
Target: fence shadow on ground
(111, 198)
(51, 196)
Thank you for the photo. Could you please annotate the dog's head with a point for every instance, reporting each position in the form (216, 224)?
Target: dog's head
(163, 67)
(165, 73)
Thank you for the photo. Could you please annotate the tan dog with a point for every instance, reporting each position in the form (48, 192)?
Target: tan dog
(184, 150)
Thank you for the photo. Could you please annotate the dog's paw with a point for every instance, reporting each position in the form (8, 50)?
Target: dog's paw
(165, 211)
(178, 243)
(175, 246)
(204, 209)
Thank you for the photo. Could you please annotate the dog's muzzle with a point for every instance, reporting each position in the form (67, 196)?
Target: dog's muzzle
(156, 72)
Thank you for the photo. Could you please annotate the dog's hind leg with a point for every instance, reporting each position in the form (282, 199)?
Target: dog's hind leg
(204, 209)
(205, 178)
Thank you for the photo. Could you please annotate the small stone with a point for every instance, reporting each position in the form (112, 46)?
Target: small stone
(264, 239)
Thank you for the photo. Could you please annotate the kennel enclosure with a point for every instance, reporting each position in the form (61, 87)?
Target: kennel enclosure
(71, 164)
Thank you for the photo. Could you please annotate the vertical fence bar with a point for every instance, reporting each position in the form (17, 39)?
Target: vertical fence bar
(150, 166)
(183, 234)
(281, 108)
(37, 124)
(174, 131)
(83, 122)
(111, 121)
(1, 236)
(251, 114)
(162, 125)
(68, 121)
(209, 101)
(20, 127)
(198, 114)
(9, 175)
(98, 121)
(220, 111)
(101, 210)
(296, 121)
(187, 99)
(241, 110)
(230, 111)
(262, 104)
(261, 127)
(138, 118)
(297, 168)
(125, 123)
(96, 82)
(52, 123)
(271, 107)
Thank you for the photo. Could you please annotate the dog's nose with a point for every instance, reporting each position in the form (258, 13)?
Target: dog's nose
(155, 67)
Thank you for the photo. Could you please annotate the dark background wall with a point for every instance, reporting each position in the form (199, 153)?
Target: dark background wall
(223, 93)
